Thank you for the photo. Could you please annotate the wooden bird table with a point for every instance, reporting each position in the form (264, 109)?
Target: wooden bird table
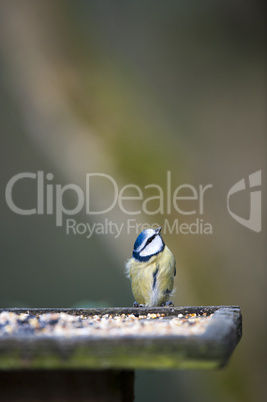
(91, 354)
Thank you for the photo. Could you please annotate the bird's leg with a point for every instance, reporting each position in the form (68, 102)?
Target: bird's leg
(167, 304)
(135, 304)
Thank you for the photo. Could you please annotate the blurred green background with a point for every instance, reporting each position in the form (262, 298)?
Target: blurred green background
(134, 89)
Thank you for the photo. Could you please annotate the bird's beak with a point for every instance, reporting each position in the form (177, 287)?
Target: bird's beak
(158, 230)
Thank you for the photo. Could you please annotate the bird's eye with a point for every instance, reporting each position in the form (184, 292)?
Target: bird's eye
(150, 240)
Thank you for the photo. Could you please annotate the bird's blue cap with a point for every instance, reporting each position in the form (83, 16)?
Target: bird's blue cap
(139, 240)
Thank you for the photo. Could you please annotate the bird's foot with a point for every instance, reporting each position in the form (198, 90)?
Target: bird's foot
(167, 304)
(135, 304)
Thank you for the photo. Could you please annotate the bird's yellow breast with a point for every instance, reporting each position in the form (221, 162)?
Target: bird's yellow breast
(152, 281)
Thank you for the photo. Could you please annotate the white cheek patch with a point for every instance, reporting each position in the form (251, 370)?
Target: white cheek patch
(152, 248)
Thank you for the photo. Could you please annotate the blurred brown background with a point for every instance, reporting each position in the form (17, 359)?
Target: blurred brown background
(134, 89)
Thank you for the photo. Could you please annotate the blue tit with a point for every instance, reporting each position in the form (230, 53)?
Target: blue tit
(151, 270)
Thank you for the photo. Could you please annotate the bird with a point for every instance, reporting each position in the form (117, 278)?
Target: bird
(151, 269)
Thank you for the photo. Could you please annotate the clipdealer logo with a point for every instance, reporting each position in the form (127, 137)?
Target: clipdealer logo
(254, 220)
(50, 201)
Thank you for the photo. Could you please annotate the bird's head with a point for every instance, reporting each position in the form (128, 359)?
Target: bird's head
(147, 244)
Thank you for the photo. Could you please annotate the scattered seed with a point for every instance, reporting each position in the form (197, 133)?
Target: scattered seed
(63, 324)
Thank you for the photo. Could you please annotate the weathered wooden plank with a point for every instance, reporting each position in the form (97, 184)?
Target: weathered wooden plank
(209, 349)
(170, 311)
